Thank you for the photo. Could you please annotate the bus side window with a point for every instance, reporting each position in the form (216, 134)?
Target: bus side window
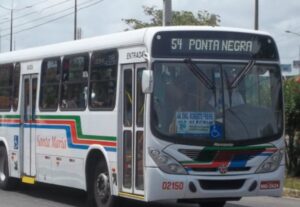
(5, 86)
(74, 82)
(16, 84)
(50, 84)
(103, 83)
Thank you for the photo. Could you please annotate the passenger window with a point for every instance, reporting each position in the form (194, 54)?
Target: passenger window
(50, 84)
(103, 80)
(74, 90)
(16, 84)
(5, 86)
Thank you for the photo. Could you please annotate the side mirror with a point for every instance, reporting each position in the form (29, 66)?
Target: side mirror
(147, 81)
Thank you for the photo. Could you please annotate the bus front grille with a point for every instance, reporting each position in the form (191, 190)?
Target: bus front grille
(231, 169)
(221, 184)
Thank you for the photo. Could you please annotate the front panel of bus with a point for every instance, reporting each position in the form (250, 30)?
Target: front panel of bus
(215, 116)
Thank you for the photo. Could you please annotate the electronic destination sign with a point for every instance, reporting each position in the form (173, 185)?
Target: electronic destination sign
(214, 45)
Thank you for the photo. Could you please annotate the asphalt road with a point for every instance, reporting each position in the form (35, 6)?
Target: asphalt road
(52, 196)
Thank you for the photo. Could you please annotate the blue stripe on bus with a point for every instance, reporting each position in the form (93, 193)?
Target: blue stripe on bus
(68, 133)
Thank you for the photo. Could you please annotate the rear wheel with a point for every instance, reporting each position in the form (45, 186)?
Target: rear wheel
(6, 182)
(101, 191)
(212, 204)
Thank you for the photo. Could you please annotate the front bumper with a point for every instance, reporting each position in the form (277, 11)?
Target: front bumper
(161, 186)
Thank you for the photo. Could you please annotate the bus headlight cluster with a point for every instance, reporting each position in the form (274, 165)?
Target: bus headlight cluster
(166, 163)
(272, 163)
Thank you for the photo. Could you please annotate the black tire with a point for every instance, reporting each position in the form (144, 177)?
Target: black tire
(99, 190)
(212, 204)
(6, 182)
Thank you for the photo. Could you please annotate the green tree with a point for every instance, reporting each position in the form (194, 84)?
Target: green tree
(179, 18)
(292, 124)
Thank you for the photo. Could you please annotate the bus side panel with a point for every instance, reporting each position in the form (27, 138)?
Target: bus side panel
(10, 138)
(62, 149)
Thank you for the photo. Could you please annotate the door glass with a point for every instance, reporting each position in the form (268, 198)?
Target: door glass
(127, 98)
(139, 180)
(26, 100)
(140, 98)
(127, 159)
(34, 88)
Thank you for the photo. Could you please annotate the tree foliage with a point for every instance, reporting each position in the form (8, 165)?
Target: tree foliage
(292, 124)
(178, 18)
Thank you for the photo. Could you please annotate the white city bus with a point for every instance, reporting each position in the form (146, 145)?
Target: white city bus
(193, 114)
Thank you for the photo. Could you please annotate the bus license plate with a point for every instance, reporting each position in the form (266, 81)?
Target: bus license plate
(264, 185)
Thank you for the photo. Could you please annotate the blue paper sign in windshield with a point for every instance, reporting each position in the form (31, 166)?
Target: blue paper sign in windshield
(194, 122)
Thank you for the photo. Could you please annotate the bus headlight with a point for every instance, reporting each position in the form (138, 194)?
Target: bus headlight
(272, 163)
(166, 163)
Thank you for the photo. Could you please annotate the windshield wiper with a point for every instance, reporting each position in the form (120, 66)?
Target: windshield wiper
(199, 74)
(242, 74)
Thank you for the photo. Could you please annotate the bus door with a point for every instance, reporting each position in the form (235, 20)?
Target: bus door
(29, 93)
(133, 130)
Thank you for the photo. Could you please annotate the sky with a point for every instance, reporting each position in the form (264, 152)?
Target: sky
(105, 17)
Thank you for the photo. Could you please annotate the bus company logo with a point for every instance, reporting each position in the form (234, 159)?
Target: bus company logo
(223, 169)
(29, 67)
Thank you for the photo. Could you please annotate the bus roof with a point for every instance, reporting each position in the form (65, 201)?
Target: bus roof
(110, 41)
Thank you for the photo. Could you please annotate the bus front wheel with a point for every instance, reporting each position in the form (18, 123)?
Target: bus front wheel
(6, 182)
(101, 187)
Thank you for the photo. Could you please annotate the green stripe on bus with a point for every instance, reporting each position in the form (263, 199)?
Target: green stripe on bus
(10, 116)
(78, 127)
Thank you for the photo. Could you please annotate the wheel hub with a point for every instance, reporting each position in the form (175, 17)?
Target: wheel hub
(2, 175)
(103, 186)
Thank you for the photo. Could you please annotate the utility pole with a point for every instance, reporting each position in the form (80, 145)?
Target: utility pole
(12, 9)
(0, 42)
(79, 33)
(11, 28)
(256, 23)
(75, 20)
(11, 24)
(167, 13)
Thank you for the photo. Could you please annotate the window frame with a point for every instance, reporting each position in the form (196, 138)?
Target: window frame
(9, 87)
(87, 57)
(95, 81)
(42, 84)
(13, 87)
(207, 142)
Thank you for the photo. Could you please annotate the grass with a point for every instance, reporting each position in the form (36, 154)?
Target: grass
(292, 182)
(293, 187)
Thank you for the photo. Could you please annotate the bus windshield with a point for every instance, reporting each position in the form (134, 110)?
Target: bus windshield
(211, 102)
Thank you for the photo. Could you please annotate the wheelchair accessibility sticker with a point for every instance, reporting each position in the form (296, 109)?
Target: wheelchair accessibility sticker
(216, 131)
(16, 142)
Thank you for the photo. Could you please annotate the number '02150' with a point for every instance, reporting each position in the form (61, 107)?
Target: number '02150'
(172, 185)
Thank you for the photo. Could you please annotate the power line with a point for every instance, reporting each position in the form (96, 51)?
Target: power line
(39, 2)
(5, 16)
(53, 20)
(54, 5)
(46, 16)
(3, 7)
(31, 13)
